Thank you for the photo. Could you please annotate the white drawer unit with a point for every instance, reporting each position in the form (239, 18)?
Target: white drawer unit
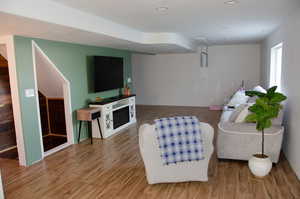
(116, 114)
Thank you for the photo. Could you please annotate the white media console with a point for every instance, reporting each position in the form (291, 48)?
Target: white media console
(117, 113)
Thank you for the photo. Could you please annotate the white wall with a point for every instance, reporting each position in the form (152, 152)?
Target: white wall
(289, 35)
(178, 79)
(49, 81)
(3, 51)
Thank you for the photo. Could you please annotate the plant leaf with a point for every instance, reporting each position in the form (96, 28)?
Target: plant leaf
(277, 98)
(271, 90)
(256, 108)
(266, 108)
(259, 126)
(267, 123)
(263, 102)
(251, 118)
(255, 93)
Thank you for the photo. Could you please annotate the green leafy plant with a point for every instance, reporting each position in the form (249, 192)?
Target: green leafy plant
(266, 108)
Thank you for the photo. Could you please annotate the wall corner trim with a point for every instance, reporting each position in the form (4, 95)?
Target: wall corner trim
(8, 41)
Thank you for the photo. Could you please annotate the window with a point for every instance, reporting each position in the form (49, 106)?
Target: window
(275, 68)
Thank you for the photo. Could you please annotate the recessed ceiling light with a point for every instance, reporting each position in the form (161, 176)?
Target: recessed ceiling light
(231, 2)
(162, 9)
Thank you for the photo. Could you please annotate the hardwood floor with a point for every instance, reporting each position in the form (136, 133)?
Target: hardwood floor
(113, 168)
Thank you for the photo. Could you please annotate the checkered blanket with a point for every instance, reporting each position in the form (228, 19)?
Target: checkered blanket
(179, 139)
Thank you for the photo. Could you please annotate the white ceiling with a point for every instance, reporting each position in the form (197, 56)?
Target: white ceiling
(248, 20)
(17, 25)
(136, 24)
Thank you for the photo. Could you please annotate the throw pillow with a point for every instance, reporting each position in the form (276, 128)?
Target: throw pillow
(242, 115)
(236, 112)
(259, 89)
(238, 98)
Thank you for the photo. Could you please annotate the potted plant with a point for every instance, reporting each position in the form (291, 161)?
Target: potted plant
(266, 108)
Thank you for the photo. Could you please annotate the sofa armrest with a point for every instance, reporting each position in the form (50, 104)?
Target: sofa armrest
(247, 128)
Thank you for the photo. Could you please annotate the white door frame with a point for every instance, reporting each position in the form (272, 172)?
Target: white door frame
(8, 41)
(67, 102)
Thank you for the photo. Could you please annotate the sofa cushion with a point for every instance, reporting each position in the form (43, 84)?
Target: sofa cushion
(236, 112)
(238, 98)
(259, 89)
(226, 114)
(241, 117)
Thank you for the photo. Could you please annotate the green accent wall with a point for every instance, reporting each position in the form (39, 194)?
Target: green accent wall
(73, 61)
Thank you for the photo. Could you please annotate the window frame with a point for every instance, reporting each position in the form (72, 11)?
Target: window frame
(276, 66)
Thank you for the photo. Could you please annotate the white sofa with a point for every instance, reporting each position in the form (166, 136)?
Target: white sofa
(239, 141)
(156, 172)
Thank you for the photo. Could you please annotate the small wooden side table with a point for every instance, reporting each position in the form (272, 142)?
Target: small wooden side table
(88, 115)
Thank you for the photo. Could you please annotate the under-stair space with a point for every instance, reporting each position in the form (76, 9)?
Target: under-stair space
(51, 104)
(53, 121)
(8, 145)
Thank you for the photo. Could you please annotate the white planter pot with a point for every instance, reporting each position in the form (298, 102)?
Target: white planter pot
(259, 166)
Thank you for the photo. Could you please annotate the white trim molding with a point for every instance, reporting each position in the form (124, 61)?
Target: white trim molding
(33, 49)
(67, 101)
(8, 41)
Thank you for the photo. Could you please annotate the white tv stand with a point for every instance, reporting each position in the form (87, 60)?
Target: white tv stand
(117, 113)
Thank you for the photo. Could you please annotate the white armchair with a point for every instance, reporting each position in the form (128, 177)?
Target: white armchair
(156, 172)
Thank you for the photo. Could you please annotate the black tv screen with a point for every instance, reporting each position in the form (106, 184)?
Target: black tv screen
(108, 73)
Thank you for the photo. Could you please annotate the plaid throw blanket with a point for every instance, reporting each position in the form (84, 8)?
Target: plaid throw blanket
(179, 139)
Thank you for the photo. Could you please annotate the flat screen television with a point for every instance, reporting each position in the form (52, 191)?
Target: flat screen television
(108, 73)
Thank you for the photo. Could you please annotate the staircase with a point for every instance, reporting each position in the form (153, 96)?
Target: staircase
(7, 127)
(3, 62)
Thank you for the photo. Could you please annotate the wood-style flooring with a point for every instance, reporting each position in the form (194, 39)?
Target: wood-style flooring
(113, 168)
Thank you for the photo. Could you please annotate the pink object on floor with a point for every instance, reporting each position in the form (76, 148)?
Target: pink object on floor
(215, 108)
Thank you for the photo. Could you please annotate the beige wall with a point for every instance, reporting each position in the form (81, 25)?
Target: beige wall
(289, 35)
(178, 79)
